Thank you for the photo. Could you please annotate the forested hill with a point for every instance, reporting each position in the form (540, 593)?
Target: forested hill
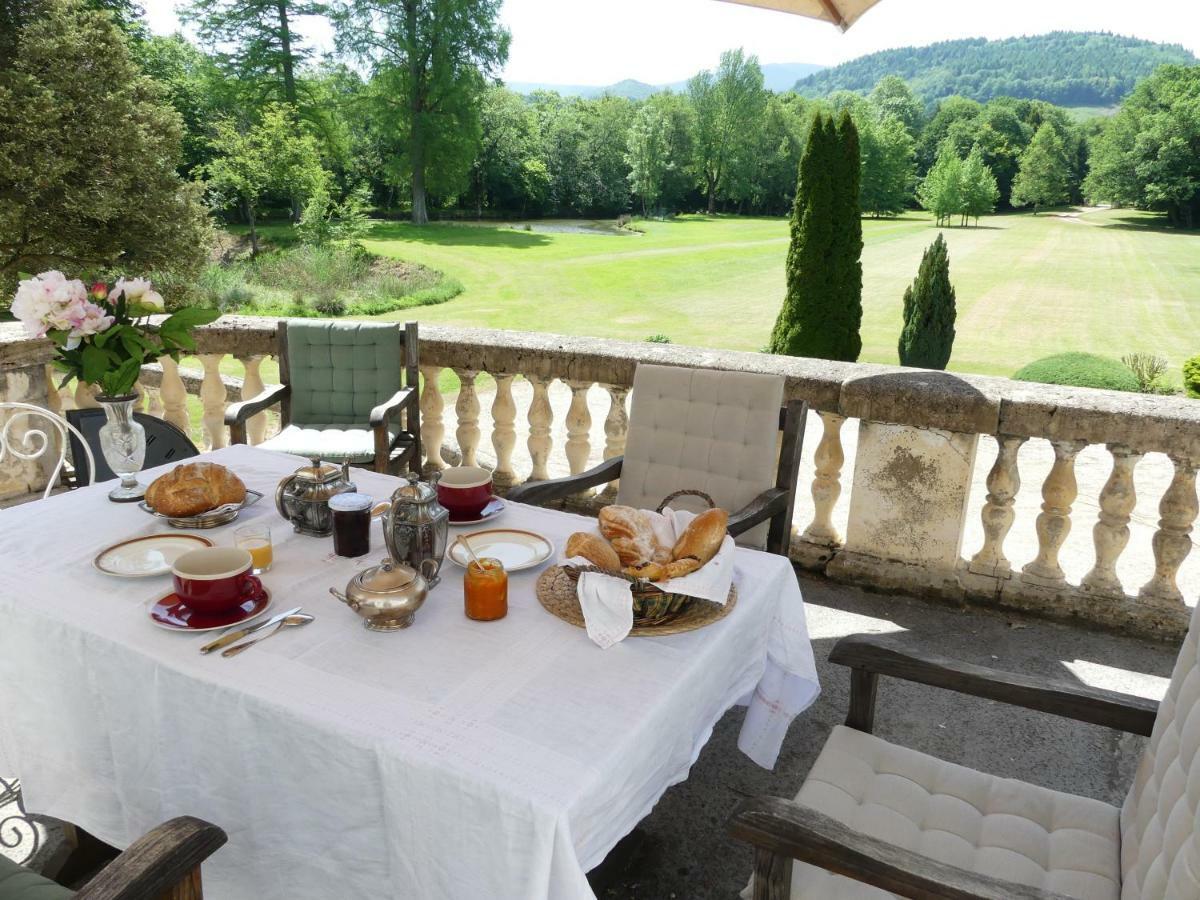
(1064, 67)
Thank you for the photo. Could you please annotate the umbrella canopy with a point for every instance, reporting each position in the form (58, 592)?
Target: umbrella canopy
(842, 13)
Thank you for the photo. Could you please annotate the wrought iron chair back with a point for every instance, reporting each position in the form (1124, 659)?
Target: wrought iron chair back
(35, 442)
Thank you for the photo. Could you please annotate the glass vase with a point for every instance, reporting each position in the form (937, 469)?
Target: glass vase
(123, 443)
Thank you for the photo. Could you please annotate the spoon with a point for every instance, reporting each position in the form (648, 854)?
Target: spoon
(462, 539)
(297, 620)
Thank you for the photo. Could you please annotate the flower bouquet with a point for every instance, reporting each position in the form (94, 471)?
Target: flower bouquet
(103, 337)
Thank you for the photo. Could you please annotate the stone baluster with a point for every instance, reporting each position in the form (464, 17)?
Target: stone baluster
(467, 410)
(433, 431)
(1054, 522)
(54, 401)
(1172, 542)
(616, 429)
(252, 386)
(174, 396)
(1110, 534)
(85, 395)
(1003, 482)
(154, 404)
(579, 427)
(212, 396)
(504, 435)
(826, 487)
(541, 416)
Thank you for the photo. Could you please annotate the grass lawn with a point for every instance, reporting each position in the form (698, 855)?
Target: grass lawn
(1106, 281)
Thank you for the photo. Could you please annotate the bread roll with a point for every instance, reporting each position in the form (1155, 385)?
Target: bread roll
(632, 536)
(702, 538)
(194, 488)
(594, 549)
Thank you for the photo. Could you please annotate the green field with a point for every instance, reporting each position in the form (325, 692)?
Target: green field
(1104, 281)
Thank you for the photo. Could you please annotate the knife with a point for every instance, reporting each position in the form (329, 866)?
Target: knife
(227, 639)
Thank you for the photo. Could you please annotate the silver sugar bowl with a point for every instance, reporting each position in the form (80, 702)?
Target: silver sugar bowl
(415, 527)
(387, 596)
(303, 497)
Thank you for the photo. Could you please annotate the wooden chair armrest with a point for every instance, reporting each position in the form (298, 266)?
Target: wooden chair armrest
(783, 830)
(872, 655)
(237, 413)
(760, 509)
(381, 413)
(156, 862)
(538, 492)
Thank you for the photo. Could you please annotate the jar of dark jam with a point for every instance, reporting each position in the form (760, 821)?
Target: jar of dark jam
(351, 524)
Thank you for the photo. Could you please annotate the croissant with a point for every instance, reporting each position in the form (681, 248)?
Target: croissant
(594, 549)
(632, 536)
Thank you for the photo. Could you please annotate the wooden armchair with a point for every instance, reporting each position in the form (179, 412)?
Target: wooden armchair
(348, 393)
(910, 825)
(706, 430)
(161, 865)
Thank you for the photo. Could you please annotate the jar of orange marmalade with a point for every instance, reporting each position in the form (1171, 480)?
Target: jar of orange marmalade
(485, 590)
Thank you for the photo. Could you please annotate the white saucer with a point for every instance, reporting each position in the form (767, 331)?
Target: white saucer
(143, 557)
(514, 548)
(495, 506)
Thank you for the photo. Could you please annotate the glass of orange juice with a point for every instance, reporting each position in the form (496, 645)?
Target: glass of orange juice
(255, 540)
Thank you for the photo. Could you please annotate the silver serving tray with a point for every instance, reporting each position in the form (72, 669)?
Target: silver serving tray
(221, 515)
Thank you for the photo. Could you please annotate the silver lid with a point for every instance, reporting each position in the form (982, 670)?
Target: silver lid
(414, 492)
(350, 502)
(386, 578)
(318, 472)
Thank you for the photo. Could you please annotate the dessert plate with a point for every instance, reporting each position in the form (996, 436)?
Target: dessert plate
(495, 506)
(144, 557)
(514, 548)
(173, 614)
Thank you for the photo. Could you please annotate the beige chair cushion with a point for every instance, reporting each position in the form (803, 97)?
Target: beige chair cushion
(994, 826)
(712, 431)
(335, 443)
(1160, 820)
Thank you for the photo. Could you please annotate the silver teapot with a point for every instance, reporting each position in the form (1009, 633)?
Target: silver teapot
(415, 527)
(387, 596)
(303, 497)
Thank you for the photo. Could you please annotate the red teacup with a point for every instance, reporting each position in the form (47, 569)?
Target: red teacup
(465, 491)
(214, 579)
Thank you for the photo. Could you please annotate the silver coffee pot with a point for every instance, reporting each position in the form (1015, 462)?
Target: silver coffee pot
(415, 527)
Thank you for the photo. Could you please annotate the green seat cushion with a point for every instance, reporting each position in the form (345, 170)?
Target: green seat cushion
(340, 371)
(335, 443)
(19, 883)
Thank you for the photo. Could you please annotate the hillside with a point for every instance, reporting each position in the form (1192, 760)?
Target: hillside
(776, 77)
(1066, 68)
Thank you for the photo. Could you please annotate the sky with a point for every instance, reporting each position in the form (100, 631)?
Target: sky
(598, 42)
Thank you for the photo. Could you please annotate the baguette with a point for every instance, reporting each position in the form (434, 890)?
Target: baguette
(594, 549)
(702, 538)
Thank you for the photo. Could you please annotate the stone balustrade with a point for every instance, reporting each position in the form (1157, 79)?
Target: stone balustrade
(914, 510)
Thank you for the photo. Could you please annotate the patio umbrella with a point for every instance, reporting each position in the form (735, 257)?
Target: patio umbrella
(842, 13)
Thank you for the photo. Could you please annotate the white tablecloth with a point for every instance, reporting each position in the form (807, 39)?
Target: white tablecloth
(455, 759)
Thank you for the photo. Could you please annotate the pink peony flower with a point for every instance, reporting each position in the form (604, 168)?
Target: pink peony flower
(42, 303)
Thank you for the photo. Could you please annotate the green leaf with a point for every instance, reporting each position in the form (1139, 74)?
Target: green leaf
(95, 364)
(122, 379)
(190, 317)
(105, 336)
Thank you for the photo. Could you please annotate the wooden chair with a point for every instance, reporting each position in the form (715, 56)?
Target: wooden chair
(164, 443)
(874, 820)
(161, 865)
(706, 430)
(349, 393)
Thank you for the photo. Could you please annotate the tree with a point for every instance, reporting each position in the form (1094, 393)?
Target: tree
(979, 190)
(822, 310)
(1043, 179)
(275, 155)
(728, 105)
(435, 56)
(892, 96)
(888, 163)
(927, 338)
(1148, 155)
(648, 154)
(88, 155)
(508, 173)
(941, 192)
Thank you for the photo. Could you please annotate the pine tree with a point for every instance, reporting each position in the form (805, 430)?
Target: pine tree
(822, 310)
(1043, 179)
(929, 312)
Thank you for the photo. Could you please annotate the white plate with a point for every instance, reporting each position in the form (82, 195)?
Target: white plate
(514, 548)
(146, 556)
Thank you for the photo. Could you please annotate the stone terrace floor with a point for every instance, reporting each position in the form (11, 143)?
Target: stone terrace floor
(681, 850)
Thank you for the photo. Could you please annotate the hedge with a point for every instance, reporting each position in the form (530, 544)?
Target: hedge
(1080, 370)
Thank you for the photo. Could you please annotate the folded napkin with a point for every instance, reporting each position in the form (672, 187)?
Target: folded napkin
(607, 602)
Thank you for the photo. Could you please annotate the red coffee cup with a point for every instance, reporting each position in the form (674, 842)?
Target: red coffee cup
(465, 491)
(214, 579)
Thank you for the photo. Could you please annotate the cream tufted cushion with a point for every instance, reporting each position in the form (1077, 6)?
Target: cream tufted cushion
(1160, 819)
(994, 826)
(333, 443)
(712, 431)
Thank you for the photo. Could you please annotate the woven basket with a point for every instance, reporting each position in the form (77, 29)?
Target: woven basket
(651, 604)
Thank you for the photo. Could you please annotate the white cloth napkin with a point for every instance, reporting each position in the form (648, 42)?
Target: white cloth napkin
(607, 602)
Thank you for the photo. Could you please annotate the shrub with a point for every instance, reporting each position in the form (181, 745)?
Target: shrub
(1191, 376)
(927, 338)
(328, 303)
(1149, 371)
(1080, 370)
(658, 339)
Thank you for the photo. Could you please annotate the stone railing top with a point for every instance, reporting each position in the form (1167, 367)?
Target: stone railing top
(927, 399)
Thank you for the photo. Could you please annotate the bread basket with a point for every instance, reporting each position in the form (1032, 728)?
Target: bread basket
(651, 604)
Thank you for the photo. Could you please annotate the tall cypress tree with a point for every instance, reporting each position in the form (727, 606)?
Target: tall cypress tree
(822, 310)
(929, 312)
